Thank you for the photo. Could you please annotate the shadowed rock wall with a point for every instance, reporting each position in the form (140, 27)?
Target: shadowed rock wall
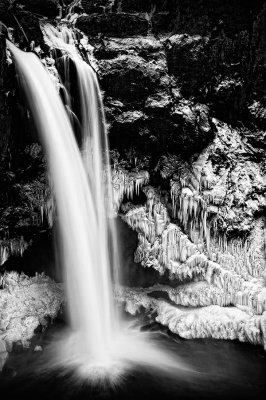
(192, 62)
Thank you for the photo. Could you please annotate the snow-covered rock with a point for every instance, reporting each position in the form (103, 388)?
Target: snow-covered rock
(24, 304)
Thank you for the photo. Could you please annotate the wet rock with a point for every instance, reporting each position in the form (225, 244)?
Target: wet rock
(163, 22)
(188, 61)
(149, 48)
(25, 25)
(159, 101)
(136, 5)
(97, 6)
(135, 73)
(113, 24)
(129, 78)
(194, 128)
(49, 8)
(147, 6)
(184, 130)
(214, 16)
(130, 117)
(230, 99)
(127, 129)
(30, 29)
(256, 138)
(258, 114)
(4, 10)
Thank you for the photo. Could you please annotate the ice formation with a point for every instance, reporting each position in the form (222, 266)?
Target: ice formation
(212, 321)
(24, 304)
(127, 184)
(10, 247)
(242, 256)
(206, 195)
(188, 204)
(232, 276)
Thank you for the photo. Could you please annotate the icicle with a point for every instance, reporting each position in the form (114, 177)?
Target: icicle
(3, 254)
(125, 183)
(190, 209)
(12, 247)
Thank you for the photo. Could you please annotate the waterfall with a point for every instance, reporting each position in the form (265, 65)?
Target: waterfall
(94, 143)
(82, 188)
(83, 231)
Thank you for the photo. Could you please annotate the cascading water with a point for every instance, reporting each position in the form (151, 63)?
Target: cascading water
(94, 143)
(99, 342)
(81, 212)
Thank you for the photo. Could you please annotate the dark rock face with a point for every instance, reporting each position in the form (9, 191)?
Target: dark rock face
(148, 5)
(216, 50)
(98, 6)
(161, 93)
(22, 171)
(143, 102)
(130, 79)
(27, 28)
(188, 61)
(121, 25)
(217, 63)
(209, 49)
(47, 8)
(136, 6)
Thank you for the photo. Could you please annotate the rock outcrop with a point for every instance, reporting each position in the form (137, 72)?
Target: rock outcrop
(25, 304)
